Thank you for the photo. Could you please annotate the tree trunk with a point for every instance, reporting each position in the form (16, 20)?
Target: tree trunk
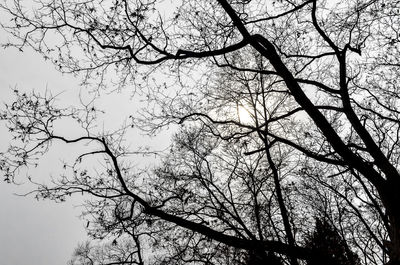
(391, 201)
(394, 244)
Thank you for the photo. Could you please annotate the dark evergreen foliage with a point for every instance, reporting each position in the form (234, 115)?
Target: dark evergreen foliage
(330, 247)
(255, 258)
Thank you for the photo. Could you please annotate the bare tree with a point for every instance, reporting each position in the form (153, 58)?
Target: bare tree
(115, 252)
(287, 110)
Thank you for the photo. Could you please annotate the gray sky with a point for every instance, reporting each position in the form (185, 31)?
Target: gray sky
(34, 232)
(43, 232)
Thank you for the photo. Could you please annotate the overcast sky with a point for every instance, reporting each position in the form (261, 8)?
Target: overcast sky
(43, 232)
(33, 232)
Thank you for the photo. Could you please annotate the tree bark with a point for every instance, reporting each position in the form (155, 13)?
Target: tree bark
(391, 201)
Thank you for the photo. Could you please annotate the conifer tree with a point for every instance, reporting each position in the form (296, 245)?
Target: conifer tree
(330, 247)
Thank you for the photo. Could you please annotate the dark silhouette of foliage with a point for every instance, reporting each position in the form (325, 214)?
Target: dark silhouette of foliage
(332, 249)
(255, 258)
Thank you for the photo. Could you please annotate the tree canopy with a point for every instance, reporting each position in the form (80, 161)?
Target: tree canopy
(284, 111)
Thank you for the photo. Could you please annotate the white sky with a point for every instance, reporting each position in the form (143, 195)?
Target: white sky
(33, 232)
(43, 232)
